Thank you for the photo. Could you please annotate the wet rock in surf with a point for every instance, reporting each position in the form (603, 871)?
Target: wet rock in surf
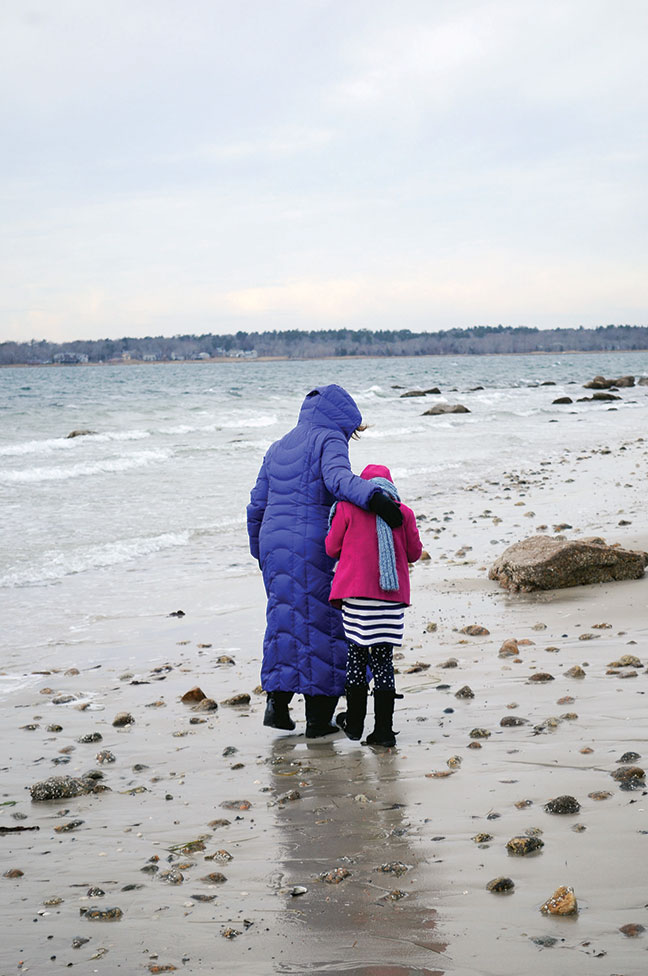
(81, 432)
(442, 408)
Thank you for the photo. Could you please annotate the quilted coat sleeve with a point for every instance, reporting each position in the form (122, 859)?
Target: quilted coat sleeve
(412, 538)
(338, 476)
(333, 541)
(256, 509)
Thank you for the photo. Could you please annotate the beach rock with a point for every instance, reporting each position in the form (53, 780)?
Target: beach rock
(509, 648)
(562, 902)
(236, 804)
(600, 795)
(194, 695)
(563, 804)
(122, 719)
(543, 563)
(418, 393)
(629, 774)
(629, 757)
(521, 846)
(105, 756)
(230, 933)
(63, 699)
(512, 721)
(475, 630)
(563, 399)
(81, 432)
(431, 627)
(482, 838)
(442, 408)
(63, 788)
(451, 662)
(335, 875)
(172, 877)
(540, 677)
(102, 914)
(626, 661)
(624, 381)
(214, 878)
(632, 929)
(13, 873)
(575, 672)
(241, 699)
(500, 884)
(603, 397)
(177, 613)
(479, 734)
(205, 705)
(90, 737)
(642, 381)
(465, 692)
(394, 867)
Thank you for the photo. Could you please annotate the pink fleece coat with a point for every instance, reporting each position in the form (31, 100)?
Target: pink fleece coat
(353, 540)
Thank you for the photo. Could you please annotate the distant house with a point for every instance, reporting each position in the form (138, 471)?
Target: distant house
(67, 358)
(149, 357)
(203, 355)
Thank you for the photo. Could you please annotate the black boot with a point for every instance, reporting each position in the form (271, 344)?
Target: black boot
(319, 712)
(277, 715)
(352, 721)
(383, 733)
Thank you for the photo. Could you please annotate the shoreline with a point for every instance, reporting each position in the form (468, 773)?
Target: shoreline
(320, 805)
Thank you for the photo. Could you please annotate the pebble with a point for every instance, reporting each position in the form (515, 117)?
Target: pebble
(575, 672)
(95, 892)
(629, 757)
(214, 878)
(512, 721)
(521, 846)
(599, 795)
(298, 890)
(541, 676)
(336, 875)
(451, 662)
(500, 884)
(13, 873)
(79, 941)
(465, 692)
(632, 929)
(509, 648)
(563, 804)
(562, 902)
(195, 694)
(241, 699)
(105, 756)
(70, 825)
(479, 734)
(122, 719)
(394, 867)
(102, 914)
(230, 933)
(626, 661)
(90, 737)
(205, 705)
(482, 838)
(172, 877)
(54, 728)
(475, 630)
(236, 804)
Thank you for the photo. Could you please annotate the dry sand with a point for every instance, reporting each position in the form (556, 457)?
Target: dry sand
(318, 806)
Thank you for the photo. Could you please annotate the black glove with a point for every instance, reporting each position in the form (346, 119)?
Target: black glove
(388, 510)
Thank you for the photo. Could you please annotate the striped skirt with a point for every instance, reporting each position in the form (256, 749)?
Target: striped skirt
(368, 622)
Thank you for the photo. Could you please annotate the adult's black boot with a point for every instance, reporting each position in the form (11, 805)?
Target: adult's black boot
(319, 712)
(276, 714)
(383, 733)
(352, 721)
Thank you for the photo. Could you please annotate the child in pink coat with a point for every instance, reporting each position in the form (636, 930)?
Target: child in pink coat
(371, 584)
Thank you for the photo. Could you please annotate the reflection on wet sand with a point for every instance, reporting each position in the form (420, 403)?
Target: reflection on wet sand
(351, 814)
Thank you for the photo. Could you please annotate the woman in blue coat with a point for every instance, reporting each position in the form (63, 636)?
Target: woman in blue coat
(302, 474)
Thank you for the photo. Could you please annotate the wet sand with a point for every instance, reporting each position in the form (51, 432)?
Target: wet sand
(315, 807)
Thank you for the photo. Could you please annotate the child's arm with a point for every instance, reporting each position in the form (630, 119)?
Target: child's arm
(335, 537)
(412, 538)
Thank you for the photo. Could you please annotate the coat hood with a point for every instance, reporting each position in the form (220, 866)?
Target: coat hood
(376, 471)
(332, 407)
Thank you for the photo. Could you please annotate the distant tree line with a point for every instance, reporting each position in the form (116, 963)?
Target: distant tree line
(295, 344)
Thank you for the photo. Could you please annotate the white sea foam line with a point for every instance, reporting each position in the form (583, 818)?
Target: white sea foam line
(56, 565)
(107, 466)
(53, 444)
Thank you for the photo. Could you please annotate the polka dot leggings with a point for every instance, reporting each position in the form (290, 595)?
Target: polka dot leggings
(379, 659)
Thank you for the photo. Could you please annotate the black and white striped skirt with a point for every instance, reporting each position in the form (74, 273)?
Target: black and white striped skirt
(369, 622)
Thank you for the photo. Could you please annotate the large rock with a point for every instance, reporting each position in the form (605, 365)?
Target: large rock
(544, 563)
(418, 393)
(440, 408)
(600, 383)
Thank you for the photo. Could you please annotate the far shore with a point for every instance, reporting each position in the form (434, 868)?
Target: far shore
(305, 359)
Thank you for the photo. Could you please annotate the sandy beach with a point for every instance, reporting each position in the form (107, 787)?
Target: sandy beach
(194, 794)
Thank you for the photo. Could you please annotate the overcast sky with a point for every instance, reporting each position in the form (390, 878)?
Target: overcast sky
(214, 165)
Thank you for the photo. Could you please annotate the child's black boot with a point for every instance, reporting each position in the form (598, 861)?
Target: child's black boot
(276, 714)
(319, 712)
(383, 733)
(352, 721)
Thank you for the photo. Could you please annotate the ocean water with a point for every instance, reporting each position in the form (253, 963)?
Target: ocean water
(150, 507)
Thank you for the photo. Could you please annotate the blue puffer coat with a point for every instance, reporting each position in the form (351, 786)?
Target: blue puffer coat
(301, 476)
